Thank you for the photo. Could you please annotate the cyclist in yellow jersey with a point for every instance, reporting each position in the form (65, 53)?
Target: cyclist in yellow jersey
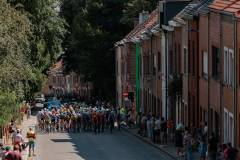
(31, 135)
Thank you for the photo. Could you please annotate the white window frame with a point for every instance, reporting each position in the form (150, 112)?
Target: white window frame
(231, 128)
(225, 124)
(205, 64)
(228, 66)
(155, 61)
(185, 60)
(231, 61)
(225, 65)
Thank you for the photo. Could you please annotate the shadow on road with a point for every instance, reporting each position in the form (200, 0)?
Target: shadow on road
(106, 146)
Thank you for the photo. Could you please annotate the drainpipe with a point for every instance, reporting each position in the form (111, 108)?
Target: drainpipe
(151, 52)
(221, 82)
(208, 80)
(197, 72)
(188, 60)
(166, 75)
(235, 81)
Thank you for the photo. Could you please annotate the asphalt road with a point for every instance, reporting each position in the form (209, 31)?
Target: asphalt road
(87, 146)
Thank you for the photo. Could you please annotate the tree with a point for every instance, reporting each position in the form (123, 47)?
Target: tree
(31, 35)
(134, 7)
(14, 69)
(94, 28)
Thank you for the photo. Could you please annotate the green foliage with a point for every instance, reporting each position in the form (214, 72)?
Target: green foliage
(8, 106)
(31, 34)
(134, 7)
(94, 27)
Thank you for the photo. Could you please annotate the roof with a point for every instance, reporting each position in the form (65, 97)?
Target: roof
(187, 11)
(150, 23)
(204, 8)
(192, 9)
(227, 6)
(57, 67)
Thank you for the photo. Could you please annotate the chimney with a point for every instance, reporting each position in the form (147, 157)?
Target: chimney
(143, 16)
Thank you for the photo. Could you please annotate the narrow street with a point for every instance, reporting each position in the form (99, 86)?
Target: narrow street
(87, 146)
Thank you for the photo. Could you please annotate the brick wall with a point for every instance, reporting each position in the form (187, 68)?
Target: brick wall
(214, 33)
(227, 41)
(238, 75)
(203, 82)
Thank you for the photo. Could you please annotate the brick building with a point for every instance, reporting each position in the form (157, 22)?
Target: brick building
(60, 84)
(190, 65)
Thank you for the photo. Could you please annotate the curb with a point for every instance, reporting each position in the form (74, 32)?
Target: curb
(149, 142)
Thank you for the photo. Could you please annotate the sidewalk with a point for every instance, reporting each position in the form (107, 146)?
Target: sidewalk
(24, 128)
(169, 148)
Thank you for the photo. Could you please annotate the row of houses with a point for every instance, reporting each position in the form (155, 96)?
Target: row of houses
(182, 61)
(60, 84)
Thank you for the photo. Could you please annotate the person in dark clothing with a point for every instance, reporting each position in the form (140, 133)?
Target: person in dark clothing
(119, 120)
(212, 147)
(232, 152)
(111, 121)
(179, 141)
(163, 127)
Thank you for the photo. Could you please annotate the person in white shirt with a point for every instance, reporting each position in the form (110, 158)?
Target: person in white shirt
(205, 129)
(156, 132)
(18, 138)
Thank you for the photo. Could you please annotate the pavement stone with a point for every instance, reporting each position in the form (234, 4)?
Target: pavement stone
(24, 128)
(169, 149)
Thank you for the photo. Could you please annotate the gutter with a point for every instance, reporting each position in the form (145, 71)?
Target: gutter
(235, 81)
(208, 70)
(221, 74)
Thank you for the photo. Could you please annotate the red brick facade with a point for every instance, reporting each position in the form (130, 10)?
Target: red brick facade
(204, 50)
(203, 79)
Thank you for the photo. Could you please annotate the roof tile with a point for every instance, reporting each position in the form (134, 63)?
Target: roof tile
(147, 25)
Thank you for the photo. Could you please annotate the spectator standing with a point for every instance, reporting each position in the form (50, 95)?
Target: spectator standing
(179, 140)
(231, 152)
(225, 152)
(149, 126)
(31, 135)
(187, 140)
(18, 138)
(144, 125)
(15, 154)
(203, 147)
(2, 150)
(212, 147)
(205, 129)
(156, 132)
(163, 131)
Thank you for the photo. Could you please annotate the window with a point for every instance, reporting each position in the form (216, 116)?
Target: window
(185, 60)
(205, 64)
(201, 114)
(239, 77)
(231, 127)
(54, 79)
(155, 64)
(148, 64)
(228, 66)
(179, 59)
(215, 62)
(228, 127)
(238, 130)
(170, 61)
(193, 58)
(175, 58)
(159, 62)
(225, 126)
